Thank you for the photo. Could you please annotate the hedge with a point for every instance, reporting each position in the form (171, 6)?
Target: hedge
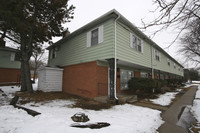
(144, 85)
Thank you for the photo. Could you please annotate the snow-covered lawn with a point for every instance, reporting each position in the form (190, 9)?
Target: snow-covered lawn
(164, 99)
(56, 117)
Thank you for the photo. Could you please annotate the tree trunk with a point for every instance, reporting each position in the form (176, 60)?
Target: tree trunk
(22, 77)
(26, 84)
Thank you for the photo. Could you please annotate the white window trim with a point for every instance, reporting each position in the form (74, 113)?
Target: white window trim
(131, 43)
(100, 36)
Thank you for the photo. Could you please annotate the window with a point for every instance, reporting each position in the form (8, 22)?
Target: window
(125, 76)
(157, 55)
(168, 62)
(144, 75)
(174, 66)
(95, 36)
(162, 76)
(12, 57)
(136, 43)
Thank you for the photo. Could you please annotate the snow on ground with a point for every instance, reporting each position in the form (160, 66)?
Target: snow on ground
(194, 83)
(164, 99)
(196, 105)
(56, 117)
(197, 82)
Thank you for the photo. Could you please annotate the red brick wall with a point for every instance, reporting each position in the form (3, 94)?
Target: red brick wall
(85, 79)
(136, 74)
(9, 75)
(102, 80)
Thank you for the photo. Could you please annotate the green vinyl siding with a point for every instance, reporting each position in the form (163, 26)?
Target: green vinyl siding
(163, 66)
(6, 62)
(126, 53)
(74, 50)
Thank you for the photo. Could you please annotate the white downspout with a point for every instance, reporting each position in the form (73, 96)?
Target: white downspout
(115, 45)
(152, 69)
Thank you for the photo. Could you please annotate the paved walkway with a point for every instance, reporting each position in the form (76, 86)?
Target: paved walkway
(171, 115)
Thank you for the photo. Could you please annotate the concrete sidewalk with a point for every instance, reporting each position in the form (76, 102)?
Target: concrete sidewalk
(171, 115)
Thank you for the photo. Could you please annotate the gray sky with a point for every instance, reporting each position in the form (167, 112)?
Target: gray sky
(133, 10)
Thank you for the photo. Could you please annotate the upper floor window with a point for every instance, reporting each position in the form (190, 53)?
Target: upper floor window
(95, 36)
(174, 66)
(136, 43)
(168, 62)
(12, 57)
(157, 55)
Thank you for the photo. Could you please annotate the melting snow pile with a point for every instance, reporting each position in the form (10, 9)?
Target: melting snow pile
(164, 99)
(196, 105)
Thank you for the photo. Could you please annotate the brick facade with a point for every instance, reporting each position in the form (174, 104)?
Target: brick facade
(86, 79)
(9, 76)
(136, 74)
(89, 80)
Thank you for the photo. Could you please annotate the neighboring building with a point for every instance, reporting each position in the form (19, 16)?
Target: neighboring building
(99, 58)
(187, 75)
(9, 67)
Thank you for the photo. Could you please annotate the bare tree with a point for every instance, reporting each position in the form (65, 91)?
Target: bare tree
(38, 59)
(190, 46)
(183, 15)
(174, 13)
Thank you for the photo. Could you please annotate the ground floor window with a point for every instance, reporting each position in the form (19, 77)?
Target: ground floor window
(144, 75)
(125, 76)
(162, 76)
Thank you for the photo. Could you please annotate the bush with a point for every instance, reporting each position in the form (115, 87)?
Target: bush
(144, 86)
(173, 83)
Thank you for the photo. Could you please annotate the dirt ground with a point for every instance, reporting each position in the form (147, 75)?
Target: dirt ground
(85, 103)
(40, 96)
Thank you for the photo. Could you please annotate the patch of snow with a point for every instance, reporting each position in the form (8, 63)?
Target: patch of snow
(198, 93)
(164, 99)
(56, 117)
(35, 85)
(196, 109)
(198, 82)
(196, 105)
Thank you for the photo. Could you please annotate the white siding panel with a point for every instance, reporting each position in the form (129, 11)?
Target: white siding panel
(50, 79)
(100, 34)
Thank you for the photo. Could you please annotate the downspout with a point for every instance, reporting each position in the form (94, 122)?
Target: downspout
(152, 69)
(115, 45)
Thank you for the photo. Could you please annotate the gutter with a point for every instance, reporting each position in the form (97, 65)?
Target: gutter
(115, 46)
